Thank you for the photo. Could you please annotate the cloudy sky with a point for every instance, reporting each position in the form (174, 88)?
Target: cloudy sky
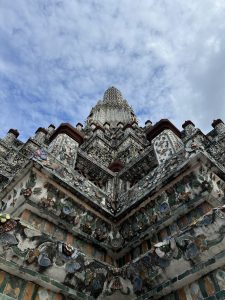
(58, 57)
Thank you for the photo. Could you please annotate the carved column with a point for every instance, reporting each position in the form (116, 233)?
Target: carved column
(219, 126)
(128, 128)
(51, 128)
(64, 144)
(189, 128)
(11, 136)
(79, 126)
(40, 135)
(165, 138)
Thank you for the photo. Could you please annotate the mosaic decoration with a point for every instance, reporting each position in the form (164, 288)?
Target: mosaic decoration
(113, 210)
(46, 255)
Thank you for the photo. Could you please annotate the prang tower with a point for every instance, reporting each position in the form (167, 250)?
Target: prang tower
(113, 210)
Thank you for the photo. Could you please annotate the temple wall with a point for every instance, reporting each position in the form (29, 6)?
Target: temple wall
(210, 287)
(13, 287)
(113, 210)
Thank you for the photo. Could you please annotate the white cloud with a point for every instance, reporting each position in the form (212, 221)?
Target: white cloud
(58, 57)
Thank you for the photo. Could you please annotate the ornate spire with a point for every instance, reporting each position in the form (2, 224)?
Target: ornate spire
(112, 94)
(112, 109)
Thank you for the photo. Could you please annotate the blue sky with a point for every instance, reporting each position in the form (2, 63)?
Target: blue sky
(58, 57)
